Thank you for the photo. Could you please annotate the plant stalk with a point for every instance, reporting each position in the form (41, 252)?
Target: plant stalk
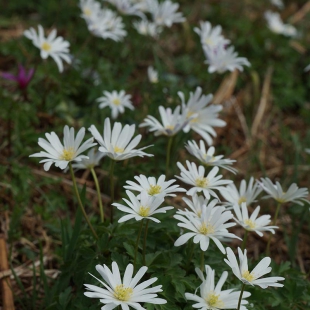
(240, 298)
(112, 188)
(92, 170)
(243, 246)
(168, 154)
(137, 243)
(273, 223)
(144, 242)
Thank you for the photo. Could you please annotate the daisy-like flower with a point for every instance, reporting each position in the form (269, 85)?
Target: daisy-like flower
(212, 297)
(127, 7)
(241, 270)
(210, 225)
(152, 75)
(154, 187)
(53, 46)
(116, 143)
(117, 101)
(209, 36)
(90, 162)
(172, 122)
(276, 25)
(147, 28)
(293, 194)
(307, 69)
(206, 157)
(278, 3)
(125, 293)
(196, 204)
(221, 59)
(90, 8)
(61, 154)
(142, 207)
(196, 177)
(253, 223)
(246, 194)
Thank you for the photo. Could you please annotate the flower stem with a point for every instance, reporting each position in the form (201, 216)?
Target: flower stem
(144, 242)
(92, 170)
(243, 246)
(168, 153)
(80, 201)
(112, 187)
(202, 260)
(273, 223)
(240, 298)
(137, 243)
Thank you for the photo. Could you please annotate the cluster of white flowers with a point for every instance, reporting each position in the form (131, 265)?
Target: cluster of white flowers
(276, 25)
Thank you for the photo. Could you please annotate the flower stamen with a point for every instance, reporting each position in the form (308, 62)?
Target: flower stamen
(250, 223)
(118, 149)
(154, 189)
(213, 300)
(67, 154)
(46, 47)
(202, 182)
(241, 200)
(116, 101)
(144, 211)
(122, 293)
(206, 229)
(248, 276)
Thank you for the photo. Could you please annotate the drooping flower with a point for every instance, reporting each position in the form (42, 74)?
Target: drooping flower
(55, 47)
(22, 78)
(212, 296)
(125, 293)
(61, 154)
(241, 270)
(276, 25)
(147, 28)
(90, 162)
(117, 143)
(152, 75)
(117, 101)
(142, 207)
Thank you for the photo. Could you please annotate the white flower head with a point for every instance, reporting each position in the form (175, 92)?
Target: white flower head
(123, 292)
(127, 7)
(210, 225)
(241, 270)
(276, 25)
(89, 8)
(147, 28)
(55, 47)
(253, 223)
(196, 177)
(212, 297)
(278, 3)
(90, 162)
(207, 158)
(142, 207)
(307, 69)
(116, 101)
(116, 143)
(221, 59)
(152, 75)
(61, 154)
(293, 194)
(196, 204)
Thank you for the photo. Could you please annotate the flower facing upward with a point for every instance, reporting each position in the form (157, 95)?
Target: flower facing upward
(89, 8)
(60, 154)
(125, 293)
(212, 297)
(142, 207)
(22, 78)
(253, 223)
(116, 101)
(153, 187)
(57, 48)
(116, 143)
(90, 162)
(293, 194)
(241, 270)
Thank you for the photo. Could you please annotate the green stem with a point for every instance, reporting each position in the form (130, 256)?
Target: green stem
(92, 170)
(168, 154)
(144, 242)
(112, 187)
(190, 254)
(137, 244)
(80, 201)
(244, 241)
(273, 223)
(202, 260)
(240, 298)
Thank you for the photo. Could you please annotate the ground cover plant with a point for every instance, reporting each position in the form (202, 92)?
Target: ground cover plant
(154, 154)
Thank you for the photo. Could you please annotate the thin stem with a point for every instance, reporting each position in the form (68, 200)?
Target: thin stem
(168, 154)
(243, 246)
(137, 243)
(144, 242)
(92, 170)
(80, 201)
(202, 260)
(190, 254)
(240, 298)
(273, 223)
(112, 187)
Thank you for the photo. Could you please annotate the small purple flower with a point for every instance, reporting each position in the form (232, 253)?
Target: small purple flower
(22, 78)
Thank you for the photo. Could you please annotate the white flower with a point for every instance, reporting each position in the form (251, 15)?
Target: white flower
(293, 194)
(276, 25)
(53, 46)
(126, 7)
(245, 193)
(152, 75)
(206, 157)
(251, 278)
(153, 187)
(142, 4)
(116, 143)
(211, 225)
(142, 207)
(254, 223)
(209, 36)
(90, 162)
(117, 101)
(196, 177)
(89, 8)
(307, 150)
(278, 3)
(196, 204)
(307, 69)
(147, 28)
(125, 293)
(172, 122)
(61, 154)
(212, 297)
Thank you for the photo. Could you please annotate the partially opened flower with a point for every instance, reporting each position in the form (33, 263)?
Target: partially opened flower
(147, 28)
(212, 297)
(123, 292)
(90, 162)
(53, 46)
(61, 154)
(22, 78)
(242, 272)
(117, 143)
(276, 25)
(152, 75)
(142, 207)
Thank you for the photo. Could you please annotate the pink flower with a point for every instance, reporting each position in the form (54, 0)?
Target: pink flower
(22, 78)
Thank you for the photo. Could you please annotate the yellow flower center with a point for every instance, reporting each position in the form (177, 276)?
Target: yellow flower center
(248, 276)
(206, 229)
(202, 182)
(208, 41)
(144, 211)
(87, 12)
(154, 189)
(67, 154)
(250, 223)
(213, 300)
(122, 293)
(199, 213)
(170, 127)
(46, 47)
(116, 101)
(241, 200)
(118, 149)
